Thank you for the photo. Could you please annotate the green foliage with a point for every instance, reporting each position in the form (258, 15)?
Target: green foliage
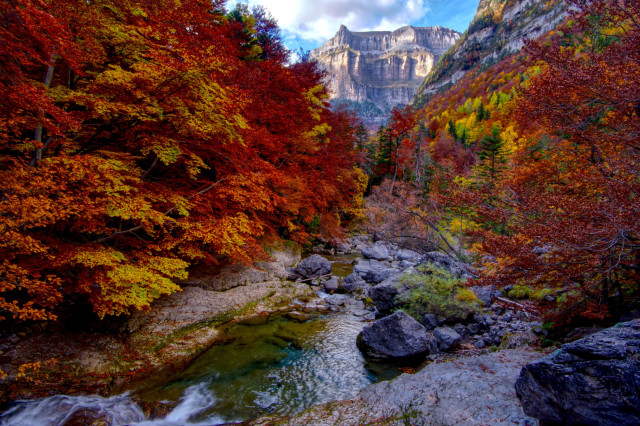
(433, 290)
(520, 292)
(492, 157)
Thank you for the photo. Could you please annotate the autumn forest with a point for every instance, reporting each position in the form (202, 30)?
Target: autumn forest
(141, 137)
(140, 140)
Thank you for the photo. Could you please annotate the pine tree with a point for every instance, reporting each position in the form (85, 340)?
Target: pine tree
(451, 128)
(492, 157)
(482, 113)
(463, 137)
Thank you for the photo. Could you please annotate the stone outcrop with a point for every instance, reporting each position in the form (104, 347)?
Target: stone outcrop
(384, 68)
(592, 381)
(232, 276)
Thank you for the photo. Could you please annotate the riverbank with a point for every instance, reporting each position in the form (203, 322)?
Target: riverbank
(469, 390)
(177, 330)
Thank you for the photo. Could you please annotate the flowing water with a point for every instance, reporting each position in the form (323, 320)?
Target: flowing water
(281, 367)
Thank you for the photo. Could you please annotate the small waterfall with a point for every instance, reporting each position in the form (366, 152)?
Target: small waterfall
(60, 409)
(195, 401)
(115, 411)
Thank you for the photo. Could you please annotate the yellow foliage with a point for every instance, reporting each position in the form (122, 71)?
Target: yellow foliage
(466, 295)
(509, 138)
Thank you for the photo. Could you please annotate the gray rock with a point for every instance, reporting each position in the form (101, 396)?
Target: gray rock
(430, 321)
(407, 255)
(461, 330)
(368, 269)
(479, 344)
(592, 381)
(444, 261)
(383, 295)
(395, 336)
(474, 328)
(485, 294)
(540, 250)
(336, 299)
(352, 278)
(331, 286)
(447, 338)
(488, 321)
(352, 286)
(385, 274)
(406, 264)
(377, 252)
(313, 266)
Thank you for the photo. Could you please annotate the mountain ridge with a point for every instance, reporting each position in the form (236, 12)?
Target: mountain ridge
(383, 68)
(498, 29)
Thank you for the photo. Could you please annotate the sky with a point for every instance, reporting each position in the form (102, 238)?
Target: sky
(307, 24)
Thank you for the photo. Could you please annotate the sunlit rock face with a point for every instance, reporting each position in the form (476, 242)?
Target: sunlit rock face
(384, 68)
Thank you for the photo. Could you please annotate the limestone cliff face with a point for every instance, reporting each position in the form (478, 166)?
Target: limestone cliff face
(498, 30)
(384, 68)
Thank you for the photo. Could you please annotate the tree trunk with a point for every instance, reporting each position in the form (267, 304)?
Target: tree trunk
(37, 157)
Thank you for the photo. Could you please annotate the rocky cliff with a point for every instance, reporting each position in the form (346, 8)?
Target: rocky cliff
(384, 68)
(498, 30)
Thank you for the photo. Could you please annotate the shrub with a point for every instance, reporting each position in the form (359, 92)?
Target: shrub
(433, 290)
(520, 292)
(466, 296)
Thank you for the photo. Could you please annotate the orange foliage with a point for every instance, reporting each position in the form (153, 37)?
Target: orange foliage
(563, 217)
(165, 133)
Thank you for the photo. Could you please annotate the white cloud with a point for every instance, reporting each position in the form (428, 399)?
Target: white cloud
(319, 20)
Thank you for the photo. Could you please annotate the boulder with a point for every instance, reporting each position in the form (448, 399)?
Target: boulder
(394, 337)
(368, 269)
(352, 286)
(385, 274)
(331, 286)
(336, 299)
(406, 264)
(592, 381)
(407, 255)
(484, 294)
(383, 295)
(313, 266)
(352, 278)
(377, 252)
(446, 262)
(430, 321)
(447, 338)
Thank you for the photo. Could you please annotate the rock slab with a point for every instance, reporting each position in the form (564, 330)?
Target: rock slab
(395, 336)
(592, 381)
(468, 391)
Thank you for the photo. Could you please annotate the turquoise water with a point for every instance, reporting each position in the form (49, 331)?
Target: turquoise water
(282, 367)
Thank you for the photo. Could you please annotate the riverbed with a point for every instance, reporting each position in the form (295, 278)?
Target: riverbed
(281, 367)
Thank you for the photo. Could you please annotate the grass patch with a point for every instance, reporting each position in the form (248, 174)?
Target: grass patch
(435, 291)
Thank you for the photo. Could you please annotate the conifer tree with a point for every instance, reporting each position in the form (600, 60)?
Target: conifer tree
(451, 128)
(492, 158)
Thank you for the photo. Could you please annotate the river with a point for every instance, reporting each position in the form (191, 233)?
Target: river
(281, 367)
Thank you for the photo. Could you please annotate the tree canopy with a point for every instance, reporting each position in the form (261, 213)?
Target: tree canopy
(138, 138)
